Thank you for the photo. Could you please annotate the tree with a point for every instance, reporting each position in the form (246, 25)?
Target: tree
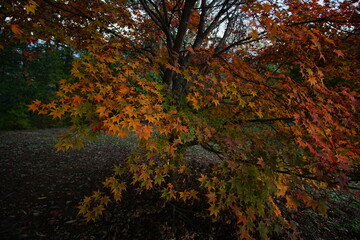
(270, 87)
(28, 72)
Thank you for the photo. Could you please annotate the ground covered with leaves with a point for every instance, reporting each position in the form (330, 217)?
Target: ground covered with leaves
(41, 189)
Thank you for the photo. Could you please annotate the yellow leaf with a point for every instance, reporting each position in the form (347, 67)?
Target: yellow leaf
(259, 113)
(214, 210)
(159, 179)
(252, 105)
(31, 7)
(182, 169)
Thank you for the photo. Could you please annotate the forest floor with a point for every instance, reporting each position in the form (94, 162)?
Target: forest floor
(41, 188)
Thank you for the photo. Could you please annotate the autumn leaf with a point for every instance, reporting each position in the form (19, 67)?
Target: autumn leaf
(339, 53)
(175, 69)
(144, 131)
(159, 179)
(211, 197)
(33, 107)
(31, 7)
(214, 210)
(16, 29)
(56, 113)
(103, 112)
(261, 162)
(291, 203)
(76, 100)
(98, 97)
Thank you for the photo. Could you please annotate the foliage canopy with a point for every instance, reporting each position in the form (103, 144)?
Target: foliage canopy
(270, 87)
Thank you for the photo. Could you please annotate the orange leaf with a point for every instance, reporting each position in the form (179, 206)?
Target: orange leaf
(144, 131)
(339, 53)
(261, 162)
(103, 112)
(16, 29)
(33, 107)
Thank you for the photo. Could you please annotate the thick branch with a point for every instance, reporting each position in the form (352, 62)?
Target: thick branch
(184, 22)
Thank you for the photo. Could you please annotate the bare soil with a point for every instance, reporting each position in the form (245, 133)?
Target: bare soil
(41, 188)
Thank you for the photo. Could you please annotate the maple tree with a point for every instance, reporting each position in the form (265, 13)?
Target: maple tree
(269, 87)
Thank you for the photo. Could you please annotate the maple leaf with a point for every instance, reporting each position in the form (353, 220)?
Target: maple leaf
(211, 197)
(150, 118)
(216, 102)
(203, 179)
(33, 107)
(291, 203)
(175, 69)
(31, 7)
(312, 80)
(119, 170)
(144, 131)
(56, 113)
(98, 210)
(114, 128)
(171, 150)
(159, 179)
(16, 29)
(98, 97)
(261, 162)
(103, 112)
(182, 169)
(339, 53)
(130, 111)
(76, 100)
(282, 188)
(214, 210)
(131, 123)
